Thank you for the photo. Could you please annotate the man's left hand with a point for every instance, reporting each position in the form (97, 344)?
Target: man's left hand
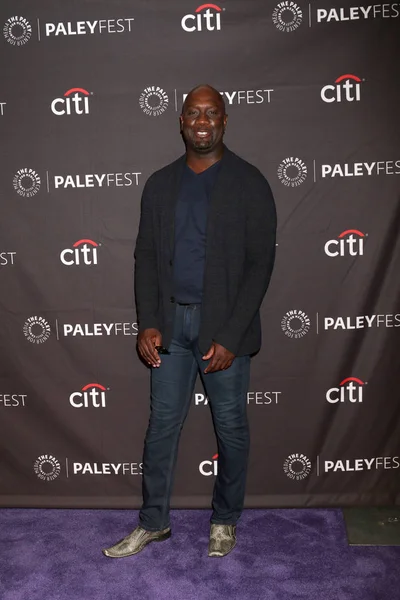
(221, 358)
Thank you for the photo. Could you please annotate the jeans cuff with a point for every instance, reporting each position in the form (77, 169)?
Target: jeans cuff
(154, 529)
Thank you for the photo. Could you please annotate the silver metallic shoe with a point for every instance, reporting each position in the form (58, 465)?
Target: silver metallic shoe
(136, 541)
(222, 539)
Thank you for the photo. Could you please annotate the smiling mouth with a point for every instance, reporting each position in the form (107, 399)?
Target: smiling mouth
(202, 133)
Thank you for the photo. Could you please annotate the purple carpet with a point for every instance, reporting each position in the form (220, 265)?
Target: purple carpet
(281, 555)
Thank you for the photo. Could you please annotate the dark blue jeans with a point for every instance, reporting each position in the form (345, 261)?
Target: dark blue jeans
(172, 386)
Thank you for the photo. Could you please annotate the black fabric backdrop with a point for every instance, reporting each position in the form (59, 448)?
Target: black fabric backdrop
(89, 103)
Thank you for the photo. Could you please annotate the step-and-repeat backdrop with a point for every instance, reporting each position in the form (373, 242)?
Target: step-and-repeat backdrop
(90, 96)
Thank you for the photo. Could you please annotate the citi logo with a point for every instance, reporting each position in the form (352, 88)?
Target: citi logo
(83, 252)
(349, 242)
(75, 101)
(208, 17)
(92, 394)
(347, 88)
(349, 390)
(209, 467)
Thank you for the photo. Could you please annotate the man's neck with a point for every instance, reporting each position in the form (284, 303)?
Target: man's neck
(200, 162)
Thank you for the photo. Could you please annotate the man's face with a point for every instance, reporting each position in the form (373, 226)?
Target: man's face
(203, 120)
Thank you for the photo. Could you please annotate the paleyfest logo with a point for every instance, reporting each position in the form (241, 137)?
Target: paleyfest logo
(26, 182)
(17, 31)
(153, 101)
(355, 13)
(361, 464)
(96, 468)
(361, 169)
(287, 16)
(88, 27)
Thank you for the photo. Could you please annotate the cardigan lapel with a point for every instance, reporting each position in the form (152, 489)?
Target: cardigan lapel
(171, 198)
(219, 196)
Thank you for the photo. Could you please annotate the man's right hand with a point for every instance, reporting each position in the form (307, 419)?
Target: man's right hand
(148, 339)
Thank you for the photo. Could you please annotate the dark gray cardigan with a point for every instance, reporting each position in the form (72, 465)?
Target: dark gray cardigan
(240, 255)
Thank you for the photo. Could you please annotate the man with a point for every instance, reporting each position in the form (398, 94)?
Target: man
(204, 256)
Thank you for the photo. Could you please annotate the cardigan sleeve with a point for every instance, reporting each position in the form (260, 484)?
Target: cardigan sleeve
(145, 271)
(261, 223)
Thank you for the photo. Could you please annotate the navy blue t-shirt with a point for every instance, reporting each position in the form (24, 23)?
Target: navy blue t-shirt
(190, 233)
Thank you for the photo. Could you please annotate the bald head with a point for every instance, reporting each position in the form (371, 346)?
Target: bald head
(204, 89)
(203, 120)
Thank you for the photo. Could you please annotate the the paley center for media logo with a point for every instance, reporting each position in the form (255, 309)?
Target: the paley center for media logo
(297, 466)
(292, 171)
(17, 31)
(153, 101)
(36, 330)
(295, 323)
(26, 182)
(287, 16)
(47, 467)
